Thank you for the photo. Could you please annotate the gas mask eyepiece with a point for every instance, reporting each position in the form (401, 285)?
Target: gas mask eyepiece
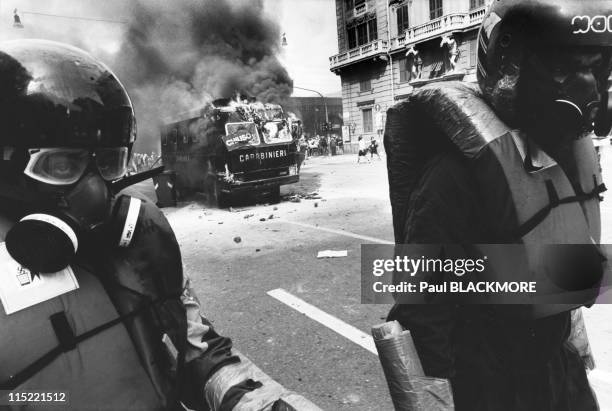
(65, 166)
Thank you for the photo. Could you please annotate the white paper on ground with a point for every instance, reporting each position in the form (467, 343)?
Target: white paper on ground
(20, 289)
(332, 253)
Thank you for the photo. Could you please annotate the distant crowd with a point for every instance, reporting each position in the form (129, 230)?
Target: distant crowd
(321, 145)
(142, 161)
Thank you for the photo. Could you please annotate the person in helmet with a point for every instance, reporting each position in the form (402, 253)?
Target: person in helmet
(94, 301)
(516, 165)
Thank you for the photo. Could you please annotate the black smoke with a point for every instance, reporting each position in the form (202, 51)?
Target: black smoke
(176, 56)
(171, 55)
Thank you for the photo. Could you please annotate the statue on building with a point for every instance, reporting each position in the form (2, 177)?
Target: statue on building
(415, 64)
(379, 120)
(452, 55)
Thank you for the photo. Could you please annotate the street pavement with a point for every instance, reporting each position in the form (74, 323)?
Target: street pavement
(256, 272)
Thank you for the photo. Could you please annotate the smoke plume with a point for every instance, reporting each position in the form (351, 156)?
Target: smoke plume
(176, 56)
(172, 56)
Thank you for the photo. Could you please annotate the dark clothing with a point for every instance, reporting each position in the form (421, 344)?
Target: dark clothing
(127, 299)
(496, 358)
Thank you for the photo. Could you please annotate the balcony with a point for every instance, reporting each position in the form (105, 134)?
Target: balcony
(364, 52)
(357, 11)
(455, 22)
(438, 27)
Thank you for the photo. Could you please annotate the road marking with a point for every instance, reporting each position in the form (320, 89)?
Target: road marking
(346, 330)
(339, 232)
(597, 376)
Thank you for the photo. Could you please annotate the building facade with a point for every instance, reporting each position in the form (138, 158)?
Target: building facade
(386, 48)
(312, 112)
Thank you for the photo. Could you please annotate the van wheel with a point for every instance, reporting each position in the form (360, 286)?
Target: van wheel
(275, 195)
(217, 197)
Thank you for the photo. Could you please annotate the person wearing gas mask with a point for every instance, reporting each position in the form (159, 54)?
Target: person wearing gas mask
(510, 161)
(95, 304)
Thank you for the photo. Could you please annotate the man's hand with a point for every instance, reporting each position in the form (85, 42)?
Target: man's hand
(196, 329)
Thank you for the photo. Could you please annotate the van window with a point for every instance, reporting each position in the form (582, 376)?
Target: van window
(241, 134)
(276, 132)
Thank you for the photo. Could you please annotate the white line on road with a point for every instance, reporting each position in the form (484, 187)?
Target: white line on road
(597, 376)
(346, 330)
(339, 232)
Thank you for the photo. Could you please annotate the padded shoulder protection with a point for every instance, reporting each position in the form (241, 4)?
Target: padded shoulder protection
(459, 111)
(154, 254)
(436, 118)
(149, 273)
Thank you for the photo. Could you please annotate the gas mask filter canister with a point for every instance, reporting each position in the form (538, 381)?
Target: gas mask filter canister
(42, 243)
(46, 243)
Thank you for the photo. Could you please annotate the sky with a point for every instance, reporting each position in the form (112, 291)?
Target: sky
(310, 27)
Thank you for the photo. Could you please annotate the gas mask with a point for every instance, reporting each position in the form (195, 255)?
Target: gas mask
(76, 207)
(563, 101)
(577, 103)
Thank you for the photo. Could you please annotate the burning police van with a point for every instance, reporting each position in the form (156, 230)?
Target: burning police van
(230, 147)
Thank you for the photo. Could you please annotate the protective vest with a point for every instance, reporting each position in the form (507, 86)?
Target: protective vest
(528, 198)
(103, 342)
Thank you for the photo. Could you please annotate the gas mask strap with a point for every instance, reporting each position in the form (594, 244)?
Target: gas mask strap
(130, 222)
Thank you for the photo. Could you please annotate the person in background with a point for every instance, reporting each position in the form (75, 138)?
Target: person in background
(363, 150)
(374, 148)
(303, 145)
(302, 152)
(340, 145)
(312, 146)
(323, 145)
(332, 145)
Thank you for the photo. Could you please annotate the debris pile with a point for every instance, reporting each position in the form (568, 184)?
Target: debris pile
(332, 253)
(298, 197)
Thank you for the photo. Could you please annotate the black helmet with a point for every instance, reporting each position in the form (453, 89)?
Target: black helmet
(511, 27)
(55, 95)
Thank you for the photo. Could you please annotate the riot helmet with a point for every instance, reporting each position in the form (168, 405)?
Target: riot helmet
(527, 64)
(67, 128)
